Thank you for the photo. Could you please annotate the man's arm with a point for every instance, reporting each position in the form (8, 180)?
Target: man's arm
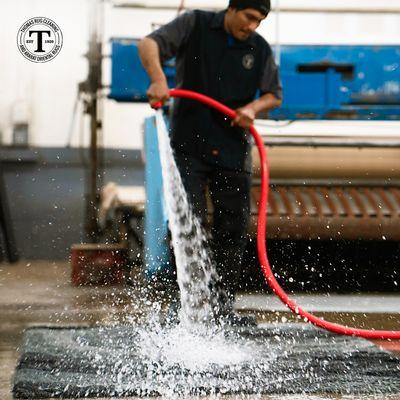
(149, 53)
(161, 45)
(247, 114)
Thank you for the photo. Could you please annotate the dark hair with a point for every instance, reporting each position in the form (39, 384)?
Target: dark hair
(263, 6)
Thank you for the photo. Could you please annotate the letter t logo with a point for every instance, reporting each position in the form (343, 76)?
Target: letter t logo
(40, 40)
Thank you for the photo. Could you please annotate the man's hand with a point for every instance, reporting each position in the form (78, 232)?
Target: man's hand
(247, 114)
(245, 117)
(158, 92)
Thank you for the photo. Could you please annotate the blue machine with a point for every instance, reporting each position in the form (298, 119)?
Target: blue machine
(129, 80)
(156, 254)
(319, 82)
(328, 82)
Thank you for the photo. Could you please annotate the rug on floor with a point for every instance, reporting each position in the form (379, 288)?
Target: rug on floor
(124, 361)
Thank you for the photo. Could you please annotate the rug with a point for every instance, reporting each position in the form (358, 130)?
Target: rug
(143, 360)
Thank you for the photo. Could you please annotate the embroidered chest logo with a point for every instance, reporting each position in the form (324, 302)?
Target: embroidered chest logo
(248, 61)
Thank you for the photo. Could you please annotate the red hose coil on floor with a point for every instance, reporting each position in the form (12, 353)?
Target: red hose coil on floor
(261, 229)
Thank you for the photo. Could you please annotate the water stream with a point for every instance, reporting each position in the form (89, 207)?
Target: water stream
(196, 273)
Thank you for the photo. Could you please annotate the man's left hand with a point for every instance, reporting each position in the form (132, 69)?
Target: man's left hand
(245, 117)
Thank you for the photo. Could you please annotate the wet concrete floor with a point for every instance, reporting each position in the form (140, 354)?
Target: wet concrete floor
(40, 294)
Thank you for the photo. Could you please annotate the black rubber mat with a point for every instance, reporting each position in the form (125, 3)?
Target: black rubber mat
(130, 361)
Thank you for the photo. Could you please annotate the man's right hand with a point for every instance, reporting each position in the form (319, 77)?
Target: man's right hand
(158, 92)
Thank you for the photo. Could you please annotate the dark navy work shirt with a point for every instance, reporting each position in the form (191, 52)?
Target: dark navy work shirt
(212, 62)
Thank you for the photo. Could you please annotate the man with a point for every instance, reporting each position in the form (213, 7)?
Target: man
(219, 55)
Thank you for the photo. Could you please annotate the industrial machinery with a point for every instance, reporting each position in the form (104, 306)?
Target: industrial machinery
(320, 82)
(334, 146)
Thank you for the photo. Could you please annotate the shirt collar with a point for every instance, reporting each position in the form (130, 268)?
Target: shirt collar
(218, 20)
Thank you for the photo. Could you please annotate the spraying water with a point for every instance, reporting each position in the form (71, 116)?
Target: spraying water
(196, 274)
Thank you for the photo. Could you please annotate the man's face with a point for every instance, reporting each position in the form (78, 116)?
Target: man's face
(242, 23)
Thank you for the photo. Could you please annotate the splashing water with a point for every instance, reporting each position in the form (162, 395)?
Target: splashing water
(197, 345)
(196, 274)
(191, 350)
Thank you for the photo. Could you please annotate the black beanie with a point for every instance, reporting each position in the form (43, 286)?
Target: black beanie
(263, 6)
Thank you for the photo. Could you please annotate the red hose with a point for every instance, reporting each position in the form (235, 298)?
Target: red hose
(261, 229)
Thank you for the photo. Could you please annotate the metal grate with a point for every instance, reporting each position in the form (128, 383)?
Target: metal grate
(354, 212)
